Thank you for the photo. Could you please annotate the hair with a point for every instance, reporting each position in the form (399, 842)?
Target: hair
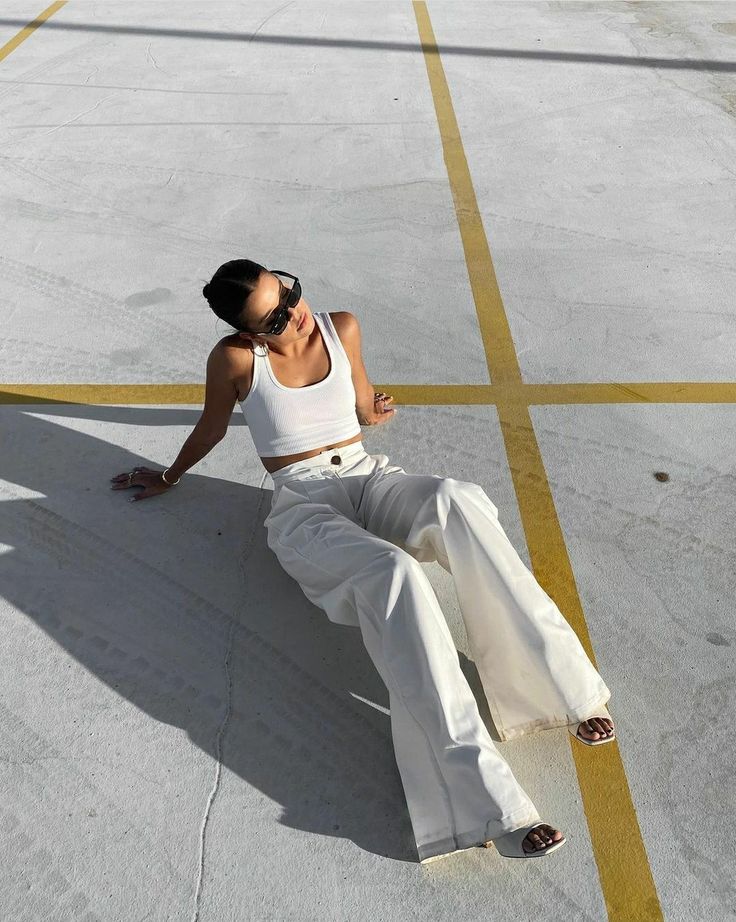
(229, 288)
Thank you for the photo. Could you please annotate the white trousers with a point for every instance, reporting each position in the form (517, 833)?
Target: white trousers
(352, 529)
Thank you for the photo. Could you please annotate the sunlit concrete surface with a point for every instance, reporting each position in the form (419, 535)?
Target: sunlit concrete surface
(184, 735)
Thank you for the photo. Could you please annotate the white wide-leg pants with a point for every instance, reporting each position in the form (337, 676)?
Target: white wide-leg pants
(352, 529)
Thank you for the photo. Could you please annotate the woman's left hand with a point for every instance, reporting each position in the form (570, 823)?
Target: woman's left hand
(381, 413)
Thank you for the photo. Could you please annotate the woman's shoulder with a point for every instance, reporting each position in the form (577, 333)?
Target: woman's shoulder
(339, 318)
(344, 323)
(239, 355)
(235, 345)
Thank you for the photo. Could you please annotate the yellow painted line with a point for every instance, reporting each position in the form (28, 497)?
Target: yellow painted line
(494, 327)
(29, 29)
(632, 392)
(102, 393)
(623, 866)
(407, 394)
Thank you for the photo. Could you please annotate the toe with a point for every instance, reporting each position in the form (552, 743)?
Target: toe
(540, 838)
(600, 727)
(596, 728)
(588, 730)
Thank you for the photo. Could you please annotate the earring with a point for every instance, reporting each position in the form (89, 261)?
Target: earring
(263, 345)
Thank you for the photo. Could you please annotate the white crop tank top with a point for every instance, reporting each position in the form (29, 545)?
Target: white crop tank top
(288, 420)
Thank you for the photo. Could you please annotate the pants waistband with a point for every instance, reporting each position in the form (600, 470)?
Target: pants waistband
(323, 459)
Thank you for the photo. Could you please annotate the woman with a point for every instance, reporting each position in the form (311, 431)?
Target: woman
(352, 529)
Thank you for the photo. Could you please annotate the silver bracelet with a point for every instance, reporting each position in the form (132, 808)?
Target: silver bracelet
(166, 481)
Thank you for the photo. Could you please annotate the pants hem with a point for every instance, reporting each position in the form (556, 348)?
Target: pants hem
(577, 714)
(462, 841)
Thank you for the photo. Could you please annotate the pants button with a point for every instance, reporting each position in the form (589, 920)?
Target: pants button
(336, 459)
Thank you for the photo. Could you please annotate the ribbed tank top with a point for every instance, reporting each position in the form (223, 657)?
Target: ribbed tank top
(288, 420)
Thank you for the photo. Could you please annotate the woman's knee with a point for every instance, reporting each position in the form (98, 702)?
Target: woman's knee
(394, 559)
(386, 570)
(451, 490)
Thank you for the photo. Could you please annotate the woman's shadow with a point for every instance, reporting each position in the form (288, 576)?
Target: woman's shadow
(177, 603)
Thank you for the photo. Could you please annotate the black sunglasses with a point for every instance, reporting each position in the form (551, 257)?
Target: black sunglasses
(281, 317)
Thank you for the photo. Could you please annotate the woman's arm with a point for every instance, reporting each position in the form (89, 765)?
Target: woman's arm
(192, 451)
(221, 393)
(364, 393)
(152, 481)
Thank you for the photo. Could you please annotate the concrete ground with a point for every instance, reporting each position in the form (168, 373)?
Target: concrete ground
(535, 229)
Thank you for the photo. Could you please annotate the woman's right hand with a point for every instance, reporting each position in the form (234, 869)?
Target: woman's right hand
(146, 477)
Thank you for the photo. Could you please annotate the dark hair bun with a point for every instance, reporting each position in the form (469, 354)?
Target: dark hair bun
(206, 290)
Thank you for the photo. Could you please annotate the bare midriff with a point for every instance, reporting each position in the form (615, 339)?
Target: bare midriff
(273, 464)
(313, 366)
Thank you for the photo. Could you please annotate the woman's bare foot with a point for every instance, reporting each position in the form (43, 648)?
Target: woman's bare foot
(596, 728)
(539, 838)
